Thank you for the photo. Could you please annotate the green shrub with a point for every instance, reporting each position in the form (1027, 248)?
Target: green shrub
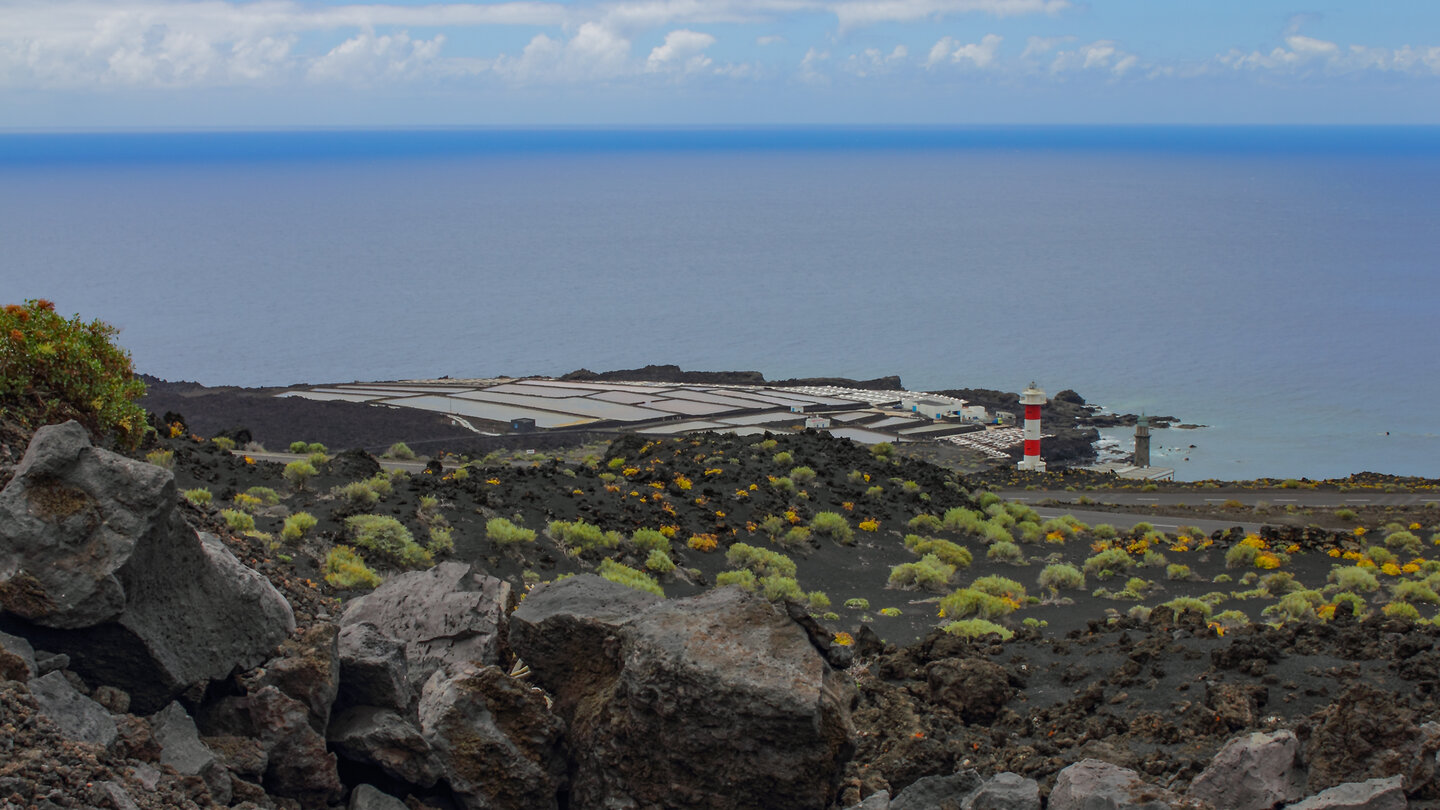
(200, 496)
(317, 460)
(1401, 610)
(265, 495)
(802, 475)
(1241, 555)
(312, 449)
(783, 459)
(345, 569)
(53, 368)
(298, 447)
(783, 484)
(650, 540)
(1005, 551)
(976, 628)
(1107, 563)
(875, 492)
(161, 458)
(925, 523)
(1296, 606)
(297, 525)
(1186, 603)
(1000, 586)
(442, 540)
(581, 536)
(739, 579)
(996, 533)
(505, 533)
(1411, 591)
(237, 520)
(777, 588)
(858, 603)
(223, 443)
(659, 562)
(833, 525)
(299, 472)
(1023, 513)
(929, 573)
(1030, 532)
(399, 450)
(629, 577)
(1231, 619)
(1061, 576)
(1104, 531)
(882, 450)
(387, 537)
(948, 552)
(1347, 515)
(794, 537)
(1381, 555)
(358, 494)
(1403, 542)
(971, 602)
(382, 485)
(773, 526)
(1176, 571)
(762, 561)
(817, 600)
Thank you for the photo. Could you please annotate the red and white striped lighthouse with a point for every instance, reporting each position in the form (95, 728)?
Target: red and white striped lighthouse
(1032, 398)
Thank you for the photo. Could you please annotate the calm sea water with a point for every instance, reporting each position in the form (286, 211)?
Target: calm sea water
(1278, 285)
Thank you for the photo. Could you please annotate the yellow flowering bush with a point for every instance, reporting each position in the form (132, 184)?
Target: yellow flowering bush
(702, 542)
(869, 525)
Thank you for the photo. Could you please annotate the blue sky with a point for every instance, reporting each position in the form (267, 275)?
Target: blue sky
(279, 63)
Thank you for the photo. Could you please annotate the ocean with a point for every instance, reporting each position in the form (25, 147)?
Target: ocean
(1277, 285)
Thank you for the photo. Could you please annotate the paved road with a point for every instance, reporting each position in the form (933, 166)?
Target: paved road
(1249, 497)
(385, 463)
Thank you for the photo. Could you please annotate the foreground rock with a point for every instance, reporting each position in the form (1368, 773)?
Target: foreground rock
(1253, 772)
(100, 565)
(717, 701)
(449, 614)
(1091, 784)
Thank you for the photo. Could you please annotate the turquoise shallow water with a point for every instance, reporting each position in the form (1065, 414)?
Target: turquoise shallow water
(1277, 285)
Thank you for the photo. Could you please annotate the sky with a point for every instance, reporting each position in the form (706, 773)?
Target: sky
(158, 64)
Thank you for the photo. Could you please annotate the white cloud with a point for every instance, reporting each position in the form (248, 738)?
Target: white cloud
(810, 66)
(770, 40)
(1306, 55)
(683, 49)
(595, 52)
(1101, 55)
(859, 13)
(1039, 46)
(872, 61)
(980, 54)
(365, 59)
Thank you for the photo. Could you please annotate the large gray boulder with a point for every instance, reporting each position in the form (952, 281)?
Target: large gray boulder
(1372, 794)
(97, 560)
(1005, 791)
(78, 717)
(373, 671)
(448, 614)
(719, 700)
(181, 748)
(937, 792)
(381, 738)
(1253, 772)
(1092, 784)
(501, 747)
